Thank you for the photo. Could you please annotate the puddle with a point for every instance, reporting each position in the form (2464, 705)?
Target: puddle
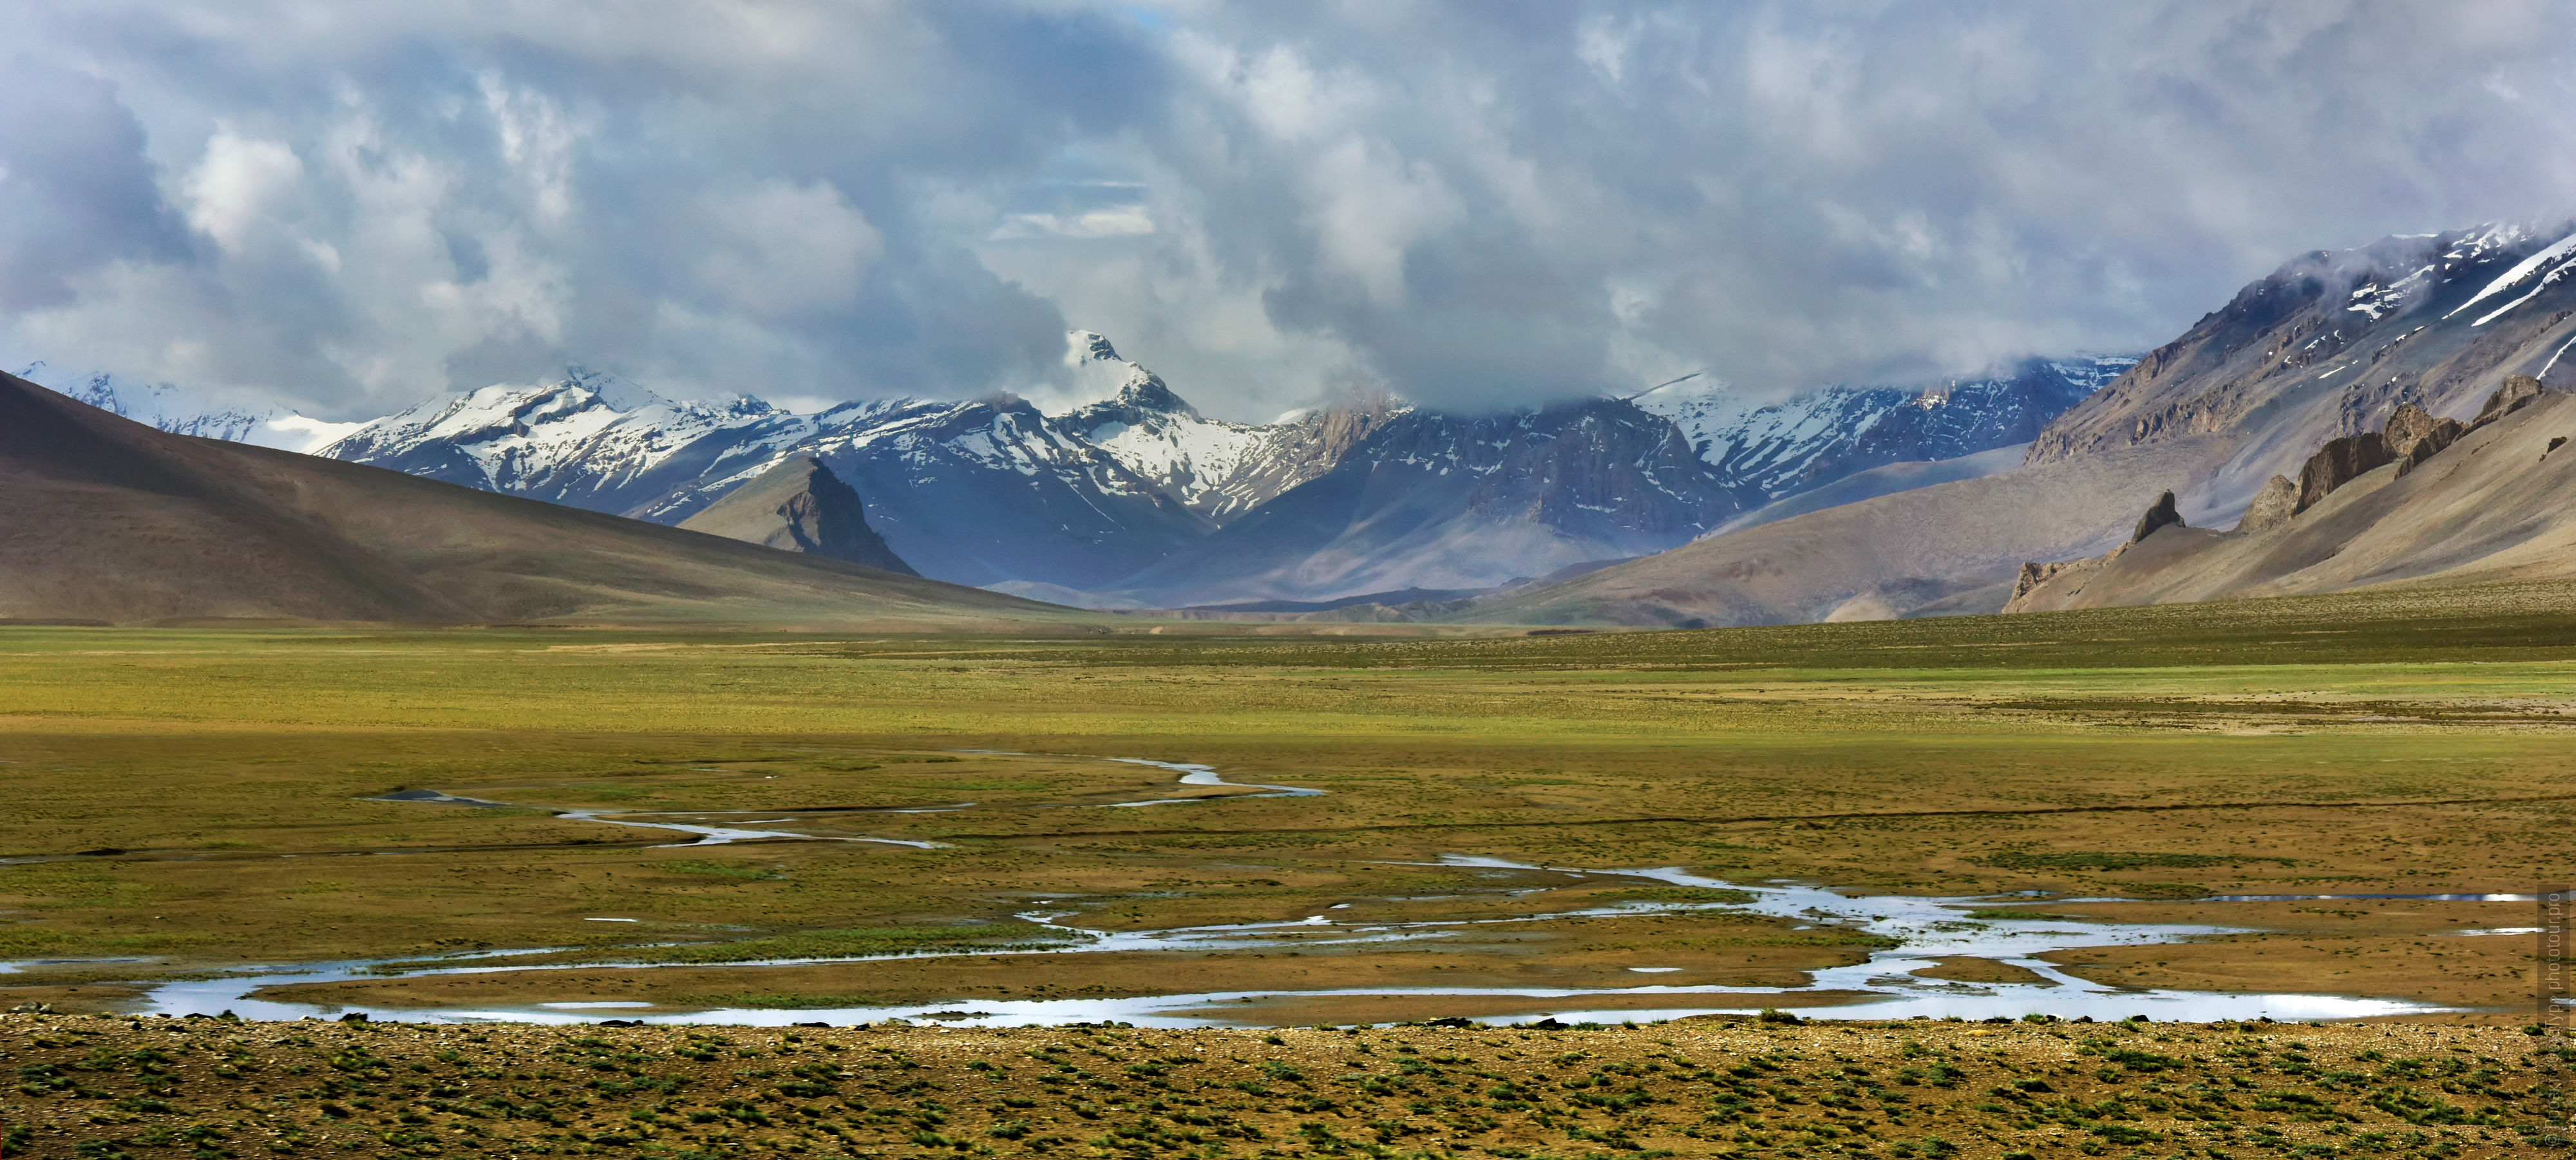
(431, 795)
(1206, 775)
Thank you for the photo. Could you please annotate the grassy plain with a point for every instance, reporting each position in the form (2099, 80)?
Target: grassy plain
(104, 1087)
(194, 799)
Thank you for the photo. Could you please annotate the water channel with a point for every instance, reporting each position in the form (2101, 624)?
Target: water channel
(1884, 986)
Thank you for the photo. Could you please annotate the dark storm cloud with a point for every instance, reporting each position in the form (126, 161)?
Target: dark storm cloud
(1474, 204)
(75, 187)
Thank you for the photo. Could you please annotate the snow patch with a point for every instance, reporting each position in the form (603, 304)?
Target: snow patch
(2548, 263)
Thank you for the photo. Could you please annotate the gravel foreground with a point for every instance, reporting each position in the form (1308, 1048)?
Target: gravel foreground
(104, 1087)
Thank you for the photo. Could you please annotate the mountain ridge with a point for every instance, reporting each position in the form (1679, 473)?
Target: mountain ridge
(2317, 356)
(106, 519)
(1131, 497)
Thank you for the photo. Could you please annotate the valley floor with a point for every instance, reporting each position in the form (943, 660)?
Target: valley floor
(2334, 807)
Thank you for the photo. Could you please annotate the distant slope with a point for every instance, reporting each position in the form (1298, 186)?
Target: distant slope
(2492, 507)
(105, 519)
(2326, 347)
(1950, 548)
(1878, 481)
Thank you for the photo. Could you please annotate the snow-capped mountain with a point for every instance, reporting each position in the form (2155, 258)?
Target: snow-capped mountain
(589, 440)
(976, 492)
(993, 491)
(2329, 344)
(181, 411)
(1218, 469)
(1787, 447)
(1139, 493)
(1428, 500)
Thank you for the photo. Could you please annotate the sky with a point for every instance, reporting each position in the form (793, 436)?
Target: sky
(346, 206)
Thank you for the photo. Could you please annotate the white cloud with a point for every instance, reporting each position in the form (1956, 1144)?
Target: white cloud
(1371, 206)
(1124, 221)
(779, 250)
(237, 184)
(351, 204)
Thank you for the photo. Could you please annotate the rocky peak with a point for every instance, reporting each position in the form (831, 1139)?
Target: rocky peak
(799, 506)
(1083, 346)
(2517, 392)
(2162, 515)
(2272, 506)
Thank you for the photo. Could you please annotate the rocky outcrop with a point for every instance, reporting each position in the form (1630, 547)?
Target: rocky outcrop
(2488, 511)
(799, 506)
(2272, 506)
(2161, 515)
(2337, 463)
(2517, 392)
(2035, 574)
(2413, 435)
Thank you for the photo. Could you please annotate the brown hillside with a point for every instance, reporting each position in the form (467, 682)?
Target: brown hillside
(1947, 549)
(109, 520)
(2490, 507)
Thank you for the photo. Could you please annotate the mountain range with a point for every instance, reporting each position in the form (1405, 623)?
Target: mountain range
(2322, 357)
(1138, 499)
(109, 520)
(2375, 416)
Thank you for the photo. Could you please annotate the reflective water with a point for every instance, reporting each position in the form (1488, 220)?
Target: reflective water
(1206, 775)
(1885, 985)
(1925, 930)
(719, 835)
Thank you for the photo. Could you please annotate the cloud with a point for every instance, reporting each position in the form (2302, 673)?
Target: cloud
(777, 251)
(233, 188)
(76, 190)
(1474, 204)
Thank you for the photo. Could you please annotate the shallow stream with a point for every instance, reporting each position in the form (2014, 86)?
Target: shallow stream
(1884, 986)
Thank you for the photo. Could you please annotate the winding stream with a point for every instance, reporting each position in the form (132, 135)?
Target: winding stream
(1926, 929)
(712, 835)
(1881, 987)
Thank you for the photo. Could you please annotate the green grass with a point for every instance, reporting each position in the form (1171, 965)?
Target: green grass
(1676, 894)
(2105, 860)
(725, 870)
(853, 942)
(2399, 742)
